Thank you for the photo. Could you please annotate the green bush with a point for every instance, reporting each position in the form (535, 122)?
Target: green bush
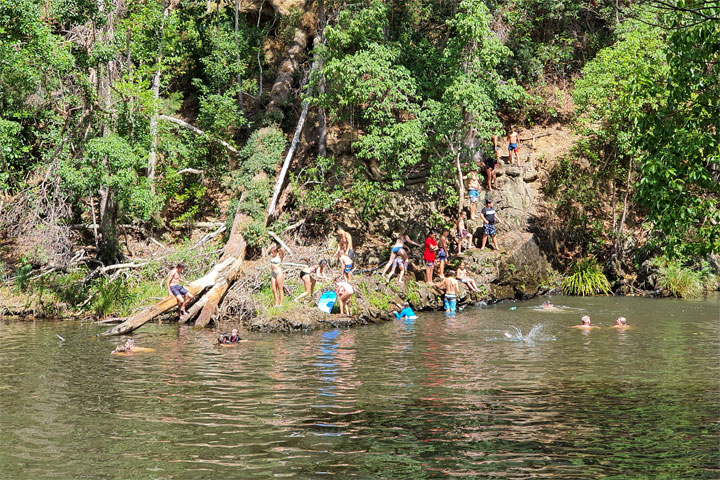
(678, 280)
(585, 278)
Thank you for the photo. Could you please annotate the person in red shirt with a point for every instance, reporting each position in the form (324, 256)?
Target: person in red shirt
(430, 249)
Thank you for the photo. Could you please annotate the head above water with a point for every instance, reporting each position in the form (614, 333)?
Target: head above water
(621, 321)
(585, 320)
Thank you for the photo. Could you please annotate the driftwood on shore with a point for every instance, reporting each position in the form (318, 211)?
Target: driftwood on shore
(168, 303)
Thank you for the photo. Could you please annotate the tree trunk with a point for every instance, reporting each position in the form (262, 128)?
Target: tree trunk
(461, 184)
(152, 156)
(322, 119)
(167, 303)
(283, 82)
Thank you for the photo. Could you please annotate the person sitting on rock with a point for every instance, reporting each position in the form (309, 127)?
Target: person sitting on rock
(442, 251)
(308, 276)
(464, 277)
(462, 232)
(451, 287)
(344, 291)
(399, 262)
(489, 218)
(399, 248)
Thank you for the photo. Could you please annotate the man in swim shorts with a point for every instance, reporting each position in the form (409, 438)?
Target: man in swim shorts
(451, 286)
(513, 139)
(182, 296)
(489, 218)
(345, 244)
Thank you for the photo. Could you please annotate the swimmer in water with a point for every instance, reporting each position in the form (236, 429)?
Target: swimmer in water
(549, 306)
(127, 347)
(585, 323)
(621, 322)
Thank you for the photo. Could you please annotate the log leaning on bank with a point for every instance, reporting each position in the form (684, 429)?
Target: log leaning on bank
(168, 303)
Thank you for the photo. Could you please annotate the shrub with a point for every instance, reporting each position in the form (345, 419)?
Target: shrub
(678, 280)
(585, 278)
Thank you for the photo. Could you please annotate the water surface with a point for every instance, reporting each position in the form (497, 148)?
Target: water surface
(437, 397)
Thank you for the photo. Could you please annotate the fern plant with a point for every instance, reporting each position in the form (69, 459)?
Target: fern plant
(585, 278)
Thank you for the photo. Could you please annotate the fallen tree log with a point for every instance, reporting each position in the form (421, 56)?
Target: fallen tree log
(167, 303)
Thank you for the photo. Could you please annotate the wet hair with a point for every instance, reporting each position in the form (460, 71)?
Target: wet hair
(338, 228)
(323, 263)
(180, 265)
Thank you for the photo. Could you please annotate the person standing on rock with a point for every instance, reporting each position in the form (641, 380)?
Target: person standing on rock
(513, 139)
(345, 244)
(182, 296)
(496, 147)
(451, 287)
(398, 249)
(462, 232)
(277, 254)
(430, 249)
(490, 164)
(308, 274)
(473, 192)
(346, 264)
(489, 218)
(442, 251)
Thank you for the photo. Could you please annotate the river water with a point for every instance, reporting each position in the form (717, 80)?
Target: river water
(491, 392)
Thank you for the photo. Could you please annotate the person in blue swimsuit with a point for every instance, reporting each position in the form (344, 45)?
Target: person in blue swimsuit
(405, 312)
(513, 140)
(347, 265)
(399, 248)
(181, 294)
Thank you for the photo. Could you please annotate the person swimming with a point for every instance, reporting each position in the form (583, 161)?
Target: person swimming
(621, 322)
(226, 339)
(549, 306)
(127, 347)
(585, 323)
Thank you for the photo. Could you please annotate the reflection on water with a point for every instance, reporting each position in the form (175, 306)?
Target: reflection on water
(433, 397)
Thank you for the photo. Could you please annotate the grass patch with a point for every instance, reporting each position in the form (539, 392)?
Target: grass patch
(585, 278)
(680, 281)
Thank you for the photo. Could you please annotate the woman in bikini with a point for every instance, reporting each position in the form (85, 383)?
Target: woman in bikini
(308, 275)
(397, 249)
(276, 257)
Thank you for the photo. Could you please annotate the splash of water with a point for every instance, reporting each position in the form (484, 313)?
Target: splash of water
(535, 334)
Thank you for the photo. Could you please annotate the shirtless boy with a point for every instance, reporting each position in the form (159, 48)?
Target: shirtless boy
(450, 285)
(473, 192)
(496, 147)
(513, 138)
(182, 296)
(346, 264)
(464, 277)
(345, 245)
(462, 233)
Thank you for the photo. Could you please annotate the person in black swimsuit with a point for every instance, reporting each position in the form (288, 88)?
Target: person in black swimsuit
(308, 275)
